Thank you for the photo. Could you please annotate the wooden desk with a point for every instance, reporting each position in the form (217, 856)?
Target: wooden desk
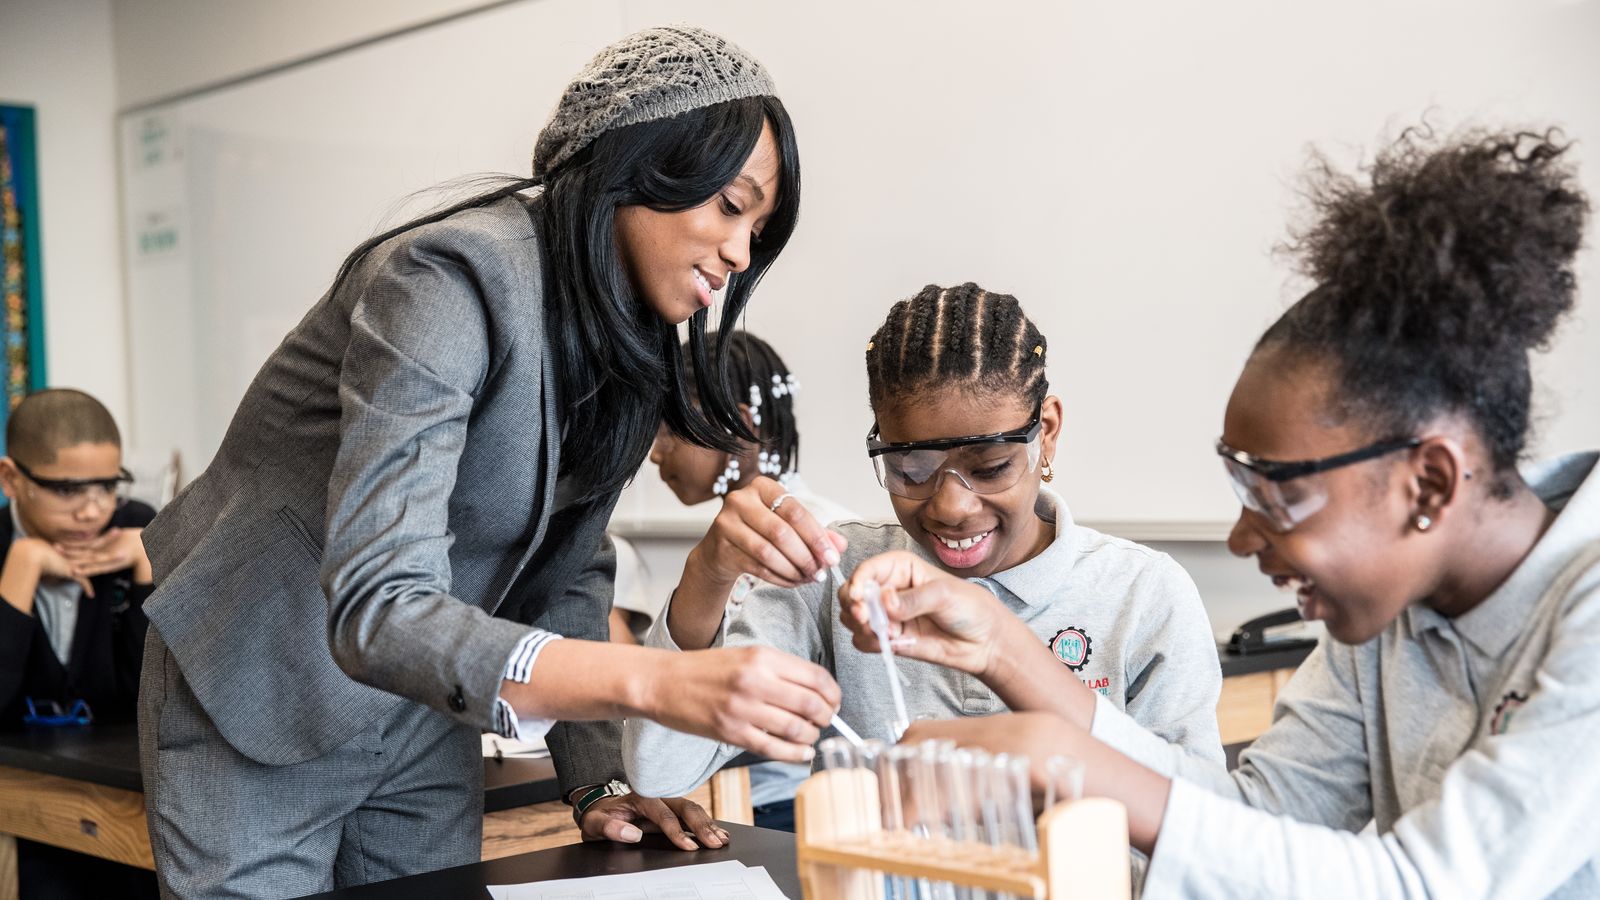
(1250, 686)
(751, 846)
(80, 788)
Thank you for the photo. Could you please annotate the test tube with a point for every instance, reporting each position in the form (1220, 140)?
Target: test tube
(1014, 770)
(955, 771)
(933, 806)
(986, 813)
(837, 753)
(1063, 780)
(880, 757)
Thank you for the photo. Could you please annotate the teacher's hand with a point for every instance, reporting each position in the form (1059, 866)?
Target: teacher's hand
(625, 819)
(758, 698)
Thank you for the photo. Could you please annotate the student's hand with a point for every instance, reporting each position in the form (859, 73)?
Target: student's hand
(625, 819)
(51, 562)
(758, 698)
(113, 551)
(933, 615)
(786, 547)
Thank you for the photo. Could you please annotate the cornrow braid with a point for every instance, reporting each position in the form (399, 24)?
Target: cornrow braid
(961, 336)
(758, 377)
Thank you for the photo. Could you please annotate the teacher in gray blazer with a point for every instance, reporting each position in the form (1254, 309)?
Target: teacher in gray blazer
(407, 512)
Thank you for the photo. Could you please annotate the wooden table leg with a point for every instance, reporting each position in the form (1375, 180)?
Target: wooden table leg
(730, 796)
(8, 867)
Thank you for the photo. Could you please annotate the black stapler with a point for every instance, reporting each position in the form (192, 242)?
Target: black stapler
(1266, 633)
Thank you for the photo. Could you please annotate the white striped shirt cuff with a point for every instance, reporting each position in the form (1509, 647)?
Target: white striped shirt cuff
(519, 668)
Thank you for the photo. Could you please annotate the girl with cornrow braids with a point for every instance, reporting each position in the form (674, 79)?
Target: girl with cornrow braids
(1441, 743)
(965, 437)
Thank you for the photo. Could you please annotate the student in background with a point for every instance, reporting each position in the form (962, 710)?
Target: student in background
(965, 437)
(1373, 439)
(698, 475)
(74, 579)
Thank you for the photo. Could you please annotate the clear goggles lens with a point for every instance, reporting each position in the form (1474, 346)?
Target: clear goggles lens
(106, 493)
(1284, 504)
(986, 467)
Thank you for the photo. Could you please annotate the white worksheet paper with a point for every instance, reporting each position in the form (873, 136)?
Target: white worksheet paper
(730, 880)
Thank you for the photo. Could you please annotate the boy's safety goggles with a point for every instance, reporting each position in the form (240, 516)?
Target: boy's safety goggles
(1288, 493)
(49, 712)
(76, 491)
(983, 463)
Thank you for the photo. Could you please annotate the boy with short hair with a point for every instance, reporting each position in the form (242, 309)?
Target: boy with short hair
(73, 577)
(73, 573)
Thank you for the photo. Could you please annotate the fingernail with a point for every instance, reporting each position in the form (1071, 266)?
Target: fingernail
(808, 753)
(832, 556)
(726, 837)
(822, 575)
(631, 834)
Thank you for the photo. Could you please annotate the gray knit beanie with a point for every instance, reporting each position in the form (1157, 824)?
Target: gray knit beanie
(652, 74)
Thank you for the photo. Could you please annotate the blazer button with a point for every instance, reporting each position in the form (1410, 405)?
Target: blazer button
(458, 702)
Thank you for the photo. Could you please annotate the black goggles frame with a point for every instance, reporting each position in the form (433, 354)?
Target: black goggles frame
(1023, 435)
(1276, 471)
(63, 485)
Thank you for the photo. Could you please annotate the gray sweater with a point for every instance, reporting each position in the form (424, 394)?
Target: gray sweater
(1468, 743)
(1128, 619)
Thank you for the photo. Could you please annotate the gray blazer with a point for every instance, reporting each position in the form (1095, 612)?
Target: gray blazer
(378, 520)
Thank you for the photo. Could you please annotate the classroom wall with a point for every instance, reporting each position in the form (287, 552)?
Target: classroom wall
(57, 57)
(167, 47)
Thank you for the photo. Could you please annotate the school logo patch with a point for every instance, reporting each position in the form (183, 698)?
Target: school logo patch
(1072, 646)
(1506, 711)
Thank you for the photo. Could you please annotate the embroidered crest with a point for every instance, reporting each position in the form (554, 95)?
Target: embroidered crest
(1505, 711)
(1072, 646)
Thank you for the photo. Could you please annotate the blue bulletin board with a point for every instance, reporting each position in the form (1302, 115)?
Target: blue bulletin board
(21, 269)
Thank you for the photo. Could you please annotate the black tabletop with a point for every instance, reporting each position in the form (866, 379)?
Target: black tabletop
(109, 755)
(751, 846)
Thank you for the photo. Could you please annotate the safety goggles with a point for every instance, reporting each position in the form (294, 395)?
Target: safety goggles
(49, 712)
(1288, 493)
(75, 492)
(983, 463)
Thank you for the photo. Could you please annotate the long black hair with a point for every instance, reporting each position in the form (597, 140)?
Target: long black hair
(1435, 278)
(619, 364)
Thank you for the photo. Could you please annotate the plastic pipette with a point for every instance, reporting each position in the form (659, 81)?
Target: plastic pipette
(878, 620)
(847, 732)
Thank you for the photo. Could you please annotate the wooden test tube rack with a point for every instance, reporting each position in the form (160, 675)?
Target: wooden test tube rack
(843, 851)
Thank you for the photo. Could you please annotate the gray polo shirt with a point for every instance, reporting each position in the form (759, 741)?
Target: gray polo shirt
(1126, 619)
(1472, 745)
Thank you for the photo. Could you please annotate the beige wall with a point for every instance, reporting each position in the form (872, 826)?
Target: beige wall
(57, 57)
(167, 47)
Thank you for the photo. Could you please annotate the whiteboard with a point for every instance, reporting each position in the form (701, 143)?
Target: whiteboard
(1124, 168)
